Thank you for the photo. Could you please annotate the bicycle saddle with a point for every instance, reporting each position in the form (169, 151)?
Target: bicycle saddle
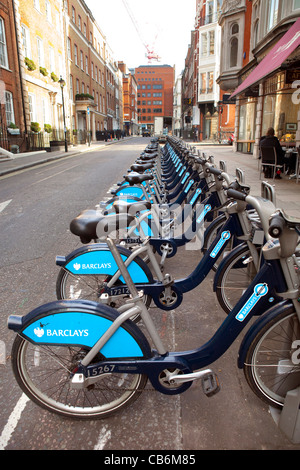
(122, 206)
(147, 158)
(141, 168)
(84, 225)
(136, 178)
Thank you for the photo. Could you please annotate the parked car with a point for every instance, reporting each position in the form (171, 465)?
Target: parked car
(146, 133)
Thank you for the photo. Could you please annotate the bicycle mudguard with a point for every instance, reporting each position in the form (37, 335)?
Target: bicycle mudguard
(80, 324)
(96, 258)
(258, 325)
(132, 191)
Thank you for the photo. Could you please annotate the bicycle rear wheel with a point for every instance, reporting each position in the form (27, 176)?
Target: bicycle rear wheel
(272, 363)
(77, 286)
(43, 373)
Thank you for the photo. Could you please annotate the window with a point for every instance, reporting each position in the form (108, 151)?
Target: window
(51, 59)
(204, 45)
(273, 13)
(32, 107)
(86, 65)
(9, 108)
(296, 4)
(234, 52)
(79, 22)
(71, 87)
(36, 4)
(157, 87)
(203, 82)
(3, 48)
(255, 33)
(40, 48)
(84, 29)
(73, 15)
(76, 54)
(92, 69)
(82, 88)
(77, 86)
(81, 60)
(69, 48)
(48, 11)
(26, 41)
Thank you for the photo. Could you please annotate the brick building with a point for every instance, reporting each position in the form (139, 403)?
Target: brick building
(11, 97)
(130, 99)
(155, 94)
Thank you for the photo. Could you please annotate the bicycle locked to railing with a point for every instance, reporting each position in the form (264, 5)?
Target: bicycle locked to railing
(82, 359)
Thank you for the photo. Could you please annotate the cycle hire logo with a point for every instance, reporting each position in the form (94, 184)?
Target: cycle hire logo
(260, 290)
(224, 238)
(76, 266)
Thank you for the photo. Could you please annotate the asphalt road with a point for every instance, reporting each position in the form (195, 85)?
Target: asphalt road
(37, 206)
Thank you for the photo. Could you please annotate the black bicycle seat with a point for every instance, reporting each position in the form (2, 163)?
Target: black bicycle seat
(141, 168)
(136, 178)
(112, 222)
(84, 225)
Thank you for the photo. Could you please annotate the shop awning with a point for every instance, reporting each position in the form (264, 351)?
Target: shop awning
(274, 59)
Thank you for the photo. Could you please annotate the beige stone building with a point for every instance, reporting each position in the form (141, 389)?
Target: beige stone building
(86, 71)
(42, 59)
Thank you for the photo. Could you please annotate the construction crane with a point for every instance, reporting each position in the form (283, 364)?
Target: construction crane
(151, 55)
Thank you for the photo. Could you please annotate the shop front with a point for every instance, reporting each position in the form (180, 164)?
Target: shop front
(269, 97)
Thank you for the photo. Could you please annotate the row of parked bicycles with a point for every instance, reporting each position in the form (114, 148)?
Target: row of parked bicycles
(91, 352)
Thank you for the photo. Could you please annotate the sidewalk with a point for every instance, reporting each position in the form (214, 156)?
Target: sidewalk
(27, 160)
(287, 190)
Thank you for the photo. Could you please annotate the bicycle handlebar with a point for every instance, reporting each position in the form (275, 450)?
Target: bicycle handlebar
(277, 224)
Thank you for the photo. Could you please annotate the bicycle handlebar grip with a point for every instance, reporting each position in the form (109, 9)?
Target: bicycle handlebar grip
(277, 225)
(214, 171)
(236, 194)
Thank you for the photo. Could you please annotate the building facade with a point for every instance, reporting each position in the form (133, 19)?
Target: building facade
(266, 95)
(42, 61)
(130, 100)
(155, 85)
(12, 115)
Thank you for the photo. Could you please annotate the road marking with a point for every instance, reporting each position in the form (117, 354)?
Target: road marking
(55, 174)
(12, 422)
(3, 205)
(103, 438)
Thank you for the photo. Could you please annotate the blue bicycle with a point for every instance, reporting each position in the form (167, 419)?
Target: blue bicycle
(85, 360)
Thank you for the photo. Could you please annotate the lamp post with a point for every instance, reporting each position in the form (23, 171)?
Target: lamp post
(62, 84)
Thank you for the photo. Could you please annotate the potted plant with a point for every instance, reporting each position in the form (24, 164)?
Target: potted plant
(54, 77)
(13, 129)
(48, 128)
(43, 71)
(35, 127)
(30, 64)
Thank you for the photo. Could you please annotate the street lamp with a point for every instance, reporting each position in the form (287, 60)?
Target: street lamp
(62, 84)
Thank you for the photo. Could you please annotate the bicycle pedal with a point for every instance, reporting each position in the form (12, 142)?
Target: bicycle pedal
(210, 384)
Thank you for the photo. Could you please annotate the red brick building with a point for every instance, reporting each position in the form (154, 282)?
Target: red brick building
(11, 100)
(155, 94)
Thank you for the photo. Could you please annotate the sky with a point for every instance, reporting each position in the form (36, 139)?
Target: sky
(164, 25)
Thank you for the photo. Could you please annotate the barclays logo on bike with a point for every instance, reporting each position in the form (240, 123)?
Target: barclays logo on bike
(224, 238)
(260, 290)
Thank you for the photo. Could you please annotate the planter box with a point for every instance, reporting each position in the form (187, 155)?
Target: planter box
(13, 131)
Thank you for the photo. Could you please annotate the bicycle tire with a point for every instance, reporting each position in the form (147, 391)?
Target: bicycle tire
(234, 277)
(43, 374)
(271, 365)
(89, 288)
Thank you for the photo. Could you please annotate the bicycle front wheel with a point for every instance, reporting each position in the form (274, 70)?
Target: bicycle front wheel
(272, 365)
(234, 278)
(43, 373)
